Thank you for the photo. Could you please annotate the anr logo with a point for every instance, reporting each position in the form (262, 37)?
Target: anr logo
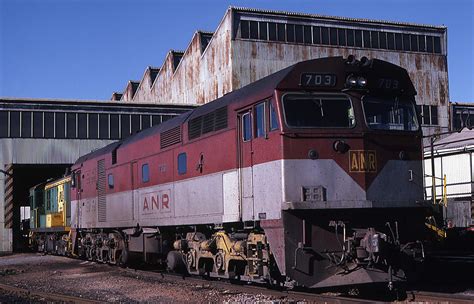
(362, 161)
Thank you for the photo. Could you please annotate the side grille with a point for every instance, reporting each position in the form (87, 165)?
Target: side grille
(213, 121)
(170, 137)
(101, 197)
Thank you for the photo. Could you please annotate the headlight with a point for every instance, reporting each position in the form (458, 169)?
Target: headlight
(361, 82)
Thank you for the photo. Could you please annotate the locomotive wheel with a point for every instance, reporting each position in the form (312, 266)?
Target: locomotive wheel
(175, 261)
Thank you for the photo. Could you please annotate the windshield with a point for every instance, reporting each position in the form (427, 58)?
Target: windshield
(390, 114)
(306, 110)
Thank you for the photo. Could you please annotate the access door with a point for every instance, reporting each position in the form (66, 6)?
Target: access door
(245, 154)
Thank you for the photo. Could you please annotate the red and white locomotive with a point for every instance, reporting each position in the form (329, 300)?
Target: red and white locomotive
(311, 176)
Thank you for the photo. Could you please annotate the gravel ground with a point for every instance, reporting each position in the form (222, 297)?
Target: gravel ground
(60, 275)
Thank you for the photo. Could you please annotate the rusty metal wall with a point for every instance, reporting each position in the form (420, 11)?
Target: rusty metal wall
(200, 77)
(229, 62)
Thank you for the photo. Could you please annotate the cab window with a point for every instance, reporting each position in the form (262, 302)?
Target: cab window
(260, 120)
(273, 117)
(246, 127)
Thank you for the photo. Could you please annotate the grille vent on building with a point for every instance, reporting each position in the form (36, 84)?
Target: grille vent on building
(214, 121)
(170, 137)
(101, 199)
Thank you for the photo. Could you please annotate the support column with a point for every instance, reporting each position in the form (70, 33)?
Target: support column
(6, 210)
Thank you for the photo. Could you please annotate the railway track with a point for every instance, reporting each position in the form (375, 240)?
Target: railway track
(39, 296)
(305, 296)
(232, 288)
(222, 288)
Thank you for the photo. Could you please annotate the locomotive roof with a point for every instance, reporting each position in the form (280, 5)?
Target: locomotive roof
(259, 89)
(264, 86)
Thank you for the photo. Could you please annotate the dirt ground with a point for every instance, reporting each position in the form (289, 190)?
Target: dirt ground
(88, 280)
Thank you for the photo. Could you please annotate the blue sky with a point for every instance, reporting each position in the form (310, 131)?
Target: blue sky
(87, 49)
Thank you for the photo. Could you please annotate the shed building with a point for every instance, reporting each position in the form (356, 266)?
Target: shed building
(249, 44)
(41, 138)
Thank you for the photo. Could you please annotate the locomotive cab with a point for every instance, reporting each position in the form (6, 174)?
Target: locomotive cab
(350, 175)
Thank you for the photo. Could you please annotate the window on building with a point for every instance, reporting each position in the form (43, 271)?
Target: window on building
(324, 35)
(244, 29)
(14, 124)
(260, 120)
(60, 125)
(135, 123)
(406, 42)
(37, 124)
(146, 121)
(383, 40)
(25, 124)
(290, 33)
(308, 37)
(110, 179)
(281, 31)
(71, 125)
(103, 126)
(434, 115)
(272, 31)
(414, 43)
(350, 37)
(299, 36)
(82, 125)
(358, 38)
(375, 39)
(48, 124)
(421, 43)
(316, 35)
(155, 120)
(429, 114)
(114, 126)
(253, 30)
(246, 127)
(93, 126)
(398, 41)
(390, 41)
(3, 124)
(366, 39)
(182, 163)
(125, 125)
(145, 173)
(437, 45)
(341, 35)
(429, 44)
(333, 36)
(262, 30)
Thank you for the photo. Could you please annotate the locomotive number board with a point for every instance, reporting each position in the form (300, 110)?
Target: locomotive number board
(317, 80)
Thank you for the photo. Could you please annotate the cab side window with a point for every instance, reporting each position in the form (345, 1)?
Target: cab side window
(273, 117)
(246, 126)
(260, 120)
